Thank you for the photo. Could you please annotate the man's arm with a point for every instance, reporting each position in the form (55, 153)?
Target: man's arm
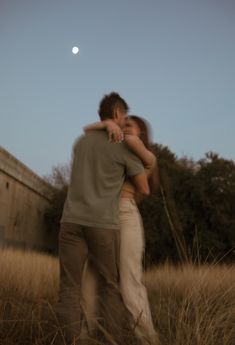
(141, 184)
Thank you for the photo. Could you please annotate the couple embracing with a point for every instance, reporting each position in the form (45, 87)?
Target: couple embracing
(101, 241)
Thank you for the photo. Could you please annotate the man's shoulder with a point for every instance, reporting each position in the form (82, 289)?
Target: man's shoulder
(90, 136)
(124, 148)
(98, 135)
(125, 153)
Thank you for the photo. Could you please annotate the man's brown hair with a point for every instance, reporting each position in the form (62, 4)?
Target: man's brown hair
(109, 103)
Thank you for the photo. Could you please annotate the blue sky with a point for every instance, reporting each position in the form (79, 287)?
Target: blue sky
(172, 60)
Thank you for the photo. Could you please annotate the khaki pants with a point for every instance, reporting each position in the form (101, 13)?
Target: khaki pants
(76, 242)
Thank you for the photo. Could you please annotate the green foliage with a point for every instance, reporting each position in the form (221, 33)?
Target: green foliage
(197, 222)
(216, 204)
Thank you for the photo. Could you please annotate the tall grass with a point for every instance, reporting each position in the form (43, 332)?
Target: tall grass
(190, 305)
(193, 305)
(28, 291)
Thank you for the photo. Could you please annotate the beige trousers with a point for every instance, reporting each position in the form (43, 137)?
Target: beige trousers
(133, 290)
(76, 243)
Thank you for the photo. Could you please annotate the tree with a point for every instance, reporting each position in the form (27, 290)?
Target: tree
(215, 206)
(59, 180)
(192, 215)
(165, 238)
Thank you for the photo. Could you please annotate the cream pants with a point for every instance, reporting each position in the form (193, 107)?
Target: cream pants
(133, 291)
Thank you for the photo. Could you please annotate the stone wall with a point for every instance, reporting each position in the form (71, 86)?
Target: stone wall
(23, 199)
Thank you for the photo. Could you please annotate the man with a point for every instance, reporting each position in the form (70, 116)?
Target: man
(90, 222)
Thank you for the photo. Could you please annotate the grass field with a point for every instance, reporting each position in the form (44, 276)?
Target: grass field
(190, 305)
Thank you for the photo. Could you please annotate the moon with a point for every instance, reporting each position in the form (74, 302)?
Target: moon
(75, 50)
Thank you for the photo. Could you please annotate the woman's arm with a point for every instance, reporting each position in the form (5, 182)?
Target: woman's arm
(114, 131)
(154, 178)
(137, 146)
(94, 126)
(148, 158)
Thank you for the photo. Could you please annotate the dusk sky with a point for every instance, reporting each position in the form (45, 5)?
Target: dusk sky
(173, 61)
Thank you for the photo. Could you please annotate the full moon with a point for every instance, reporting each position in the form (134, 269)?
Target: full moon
(75, 50)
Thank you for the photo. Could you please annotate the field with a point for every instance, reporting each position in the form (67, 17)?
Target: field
(191, 305)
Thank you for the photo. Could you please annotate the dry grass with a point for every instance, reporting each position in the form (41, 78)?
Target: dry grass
(28, 275)
(28, 291)
(190, 305)
(193, 305)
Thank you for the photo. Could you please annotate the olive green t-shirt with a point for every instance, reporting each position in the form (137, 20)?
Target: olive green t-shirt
(98, 172)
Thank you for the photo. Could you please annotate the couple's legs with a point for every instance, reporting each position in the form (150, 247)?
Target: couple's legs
(104, 257)
(133, 290)
(75, 243)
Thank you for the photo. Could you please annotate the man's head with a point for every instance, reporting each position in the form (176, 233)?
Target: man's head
(114, 107)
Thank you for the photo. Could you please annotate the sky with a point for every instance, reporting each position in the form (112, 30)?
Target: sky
(173, 61)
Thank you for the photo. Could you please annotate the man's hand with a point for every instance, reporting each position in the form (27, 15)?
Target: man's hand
(114, 131)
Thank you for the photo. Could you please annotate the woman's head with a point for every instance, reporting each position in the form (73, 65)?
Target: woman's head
(135, 125)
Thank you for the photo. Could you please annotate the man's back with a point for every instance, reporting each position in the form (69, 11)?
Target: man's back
(98, 173)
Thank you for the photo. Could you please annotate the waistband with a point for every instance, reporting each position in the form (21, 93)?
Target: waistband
(127, 201)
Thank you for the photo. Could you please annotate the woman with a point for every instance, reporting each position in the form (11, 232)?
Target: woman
(133, 291)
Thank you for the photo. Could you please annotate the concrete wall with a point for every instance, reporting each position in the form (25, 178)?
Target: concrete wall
(23, 199)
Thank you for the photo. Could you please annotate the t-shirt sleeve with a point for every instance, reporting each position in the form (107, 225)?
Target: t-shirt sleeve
(133, 164)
